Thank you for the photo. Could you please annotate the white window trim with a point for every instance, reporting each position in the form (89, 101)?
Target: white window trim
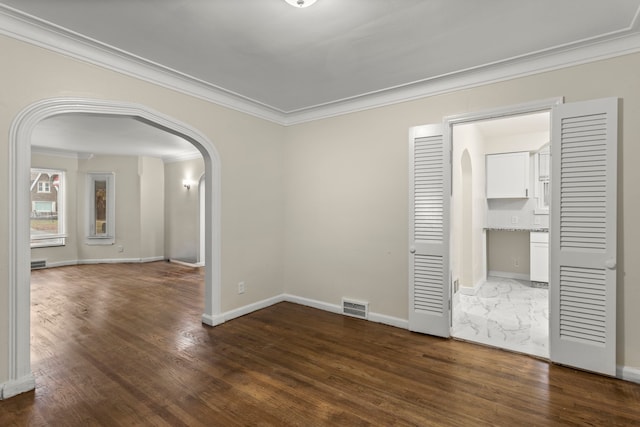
(60, 238)
(44, 187)
(109, 237)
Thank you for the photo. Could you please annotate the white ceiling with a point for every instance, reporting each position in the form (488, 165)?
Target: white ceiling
(292, 59)
(288, 61)
(89, 134)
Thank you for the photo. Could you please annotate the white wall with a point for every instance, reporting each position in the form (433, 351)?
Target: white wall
(182, 209)
(62, 254)
(467, 137)
(250, 149)
(139, 209)
(342, 228)
(152, 224)
(347, 198)
(127, 208)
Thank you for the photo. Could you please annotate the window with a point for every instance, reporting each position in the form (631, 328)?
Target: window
(44, 187)
(101, 209)
(47, 208)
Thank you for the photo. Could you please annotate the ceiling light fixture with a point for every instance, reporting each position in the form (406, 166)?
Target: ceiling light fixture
(301, 3)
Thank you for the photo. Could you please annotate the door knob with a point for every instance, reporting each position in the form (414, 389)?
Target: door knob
(610, 264)
(412, 250)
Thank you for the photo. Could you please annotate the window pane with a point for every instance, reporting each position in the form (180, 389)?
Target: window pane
(100, 189)
(46, 196)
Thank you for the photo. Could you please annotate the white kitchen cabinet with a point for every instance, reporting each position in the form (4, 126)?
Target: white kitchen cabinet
(507, 175)
(539, 256)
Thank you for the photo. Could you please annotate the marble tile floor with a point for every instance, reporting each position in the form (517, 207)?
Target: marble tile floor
(505, 313)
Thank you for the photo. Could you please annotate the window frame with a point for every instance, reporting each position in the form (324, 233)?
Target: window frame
(50, 239)
(109, 235)
(44, 187)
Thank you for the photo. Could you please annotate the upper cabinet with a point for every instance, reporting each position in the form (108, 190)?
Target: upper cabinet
(508, 175)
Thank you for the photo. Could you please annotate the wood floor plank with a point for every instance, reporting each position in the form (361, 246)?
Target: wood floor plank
(123, 345)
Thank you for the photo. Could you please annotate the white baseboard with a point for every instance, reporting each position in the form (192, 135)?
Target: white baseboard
(119, 260)
(103, 261)
(185, 263)
(15, 387)
(212, 320)
(509, 275)
(321, 305)
(628, 373)
(241, 311)
(61, 263)
(389, 320)
(471, 290)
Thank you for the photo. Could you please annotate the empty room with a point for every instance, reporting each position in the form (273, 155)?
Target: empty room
(288, 212)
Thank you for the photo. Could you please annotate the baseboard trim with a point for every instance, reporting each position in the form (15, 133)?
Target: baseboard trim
(628, 373)
(211, 320)
(104, 261)
(471, 290)
(61, 264)
(119, 260)
(186, 263)
(337, 309)
(389, 320)
(247, 309)
(15, 387)
(509, 275)
(321, 305)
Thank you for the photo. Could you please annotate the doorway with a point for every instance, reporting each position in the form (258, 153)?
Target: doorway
(496, 300)
(20, 374)
(582, 243)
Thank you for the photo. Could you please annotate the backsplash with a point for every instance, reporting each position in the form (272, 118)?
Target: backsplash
(515, 214)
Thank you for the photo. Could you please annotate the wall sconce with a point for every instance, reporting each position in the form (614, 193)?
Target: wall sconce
(186, 184)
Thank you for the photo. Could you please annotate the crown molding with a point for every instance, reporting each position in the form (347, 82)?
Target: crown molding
(27, 28)
(30, 29)
(550, 60)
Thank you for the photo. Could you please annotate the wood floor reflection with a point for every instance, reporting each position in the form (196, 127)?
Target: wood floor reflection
(123, 345)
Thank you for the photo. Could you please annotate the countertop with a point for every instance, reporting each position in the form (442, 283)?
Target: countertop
(531, 229)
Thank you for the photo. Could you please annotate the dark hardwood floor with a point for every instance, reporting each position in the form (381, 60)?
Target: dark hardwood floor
(122, 345)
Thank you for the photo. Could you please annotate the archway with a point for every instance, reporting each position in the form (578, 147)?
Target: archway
(20, 376)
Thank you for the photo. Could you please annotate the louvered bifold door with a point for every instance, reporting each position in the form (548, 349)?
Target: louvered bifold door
(582, 285)
(429, 184)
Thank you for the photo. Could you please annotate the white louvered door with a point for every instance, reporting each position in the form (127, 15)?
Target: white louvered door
(582, 282)
(429, 191)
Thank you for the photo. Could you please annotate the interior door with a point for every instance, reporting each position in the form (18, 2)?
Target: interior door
(583, 235)
(429, 191)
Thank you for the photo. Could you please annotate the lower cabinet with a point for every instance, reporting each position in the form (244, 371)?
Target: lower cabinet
(539, 258)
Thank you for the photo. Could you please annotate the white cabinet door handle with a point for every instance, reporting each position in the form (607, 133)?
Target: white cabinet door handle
(412, 250)
(610, 264)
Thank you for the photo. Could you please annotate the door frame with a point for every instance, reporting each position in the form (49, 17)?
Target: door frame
(20, 376)
(496, 113)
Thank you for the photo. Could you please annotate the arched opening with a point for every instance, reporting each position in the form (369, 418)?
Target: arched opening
(20, 375)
